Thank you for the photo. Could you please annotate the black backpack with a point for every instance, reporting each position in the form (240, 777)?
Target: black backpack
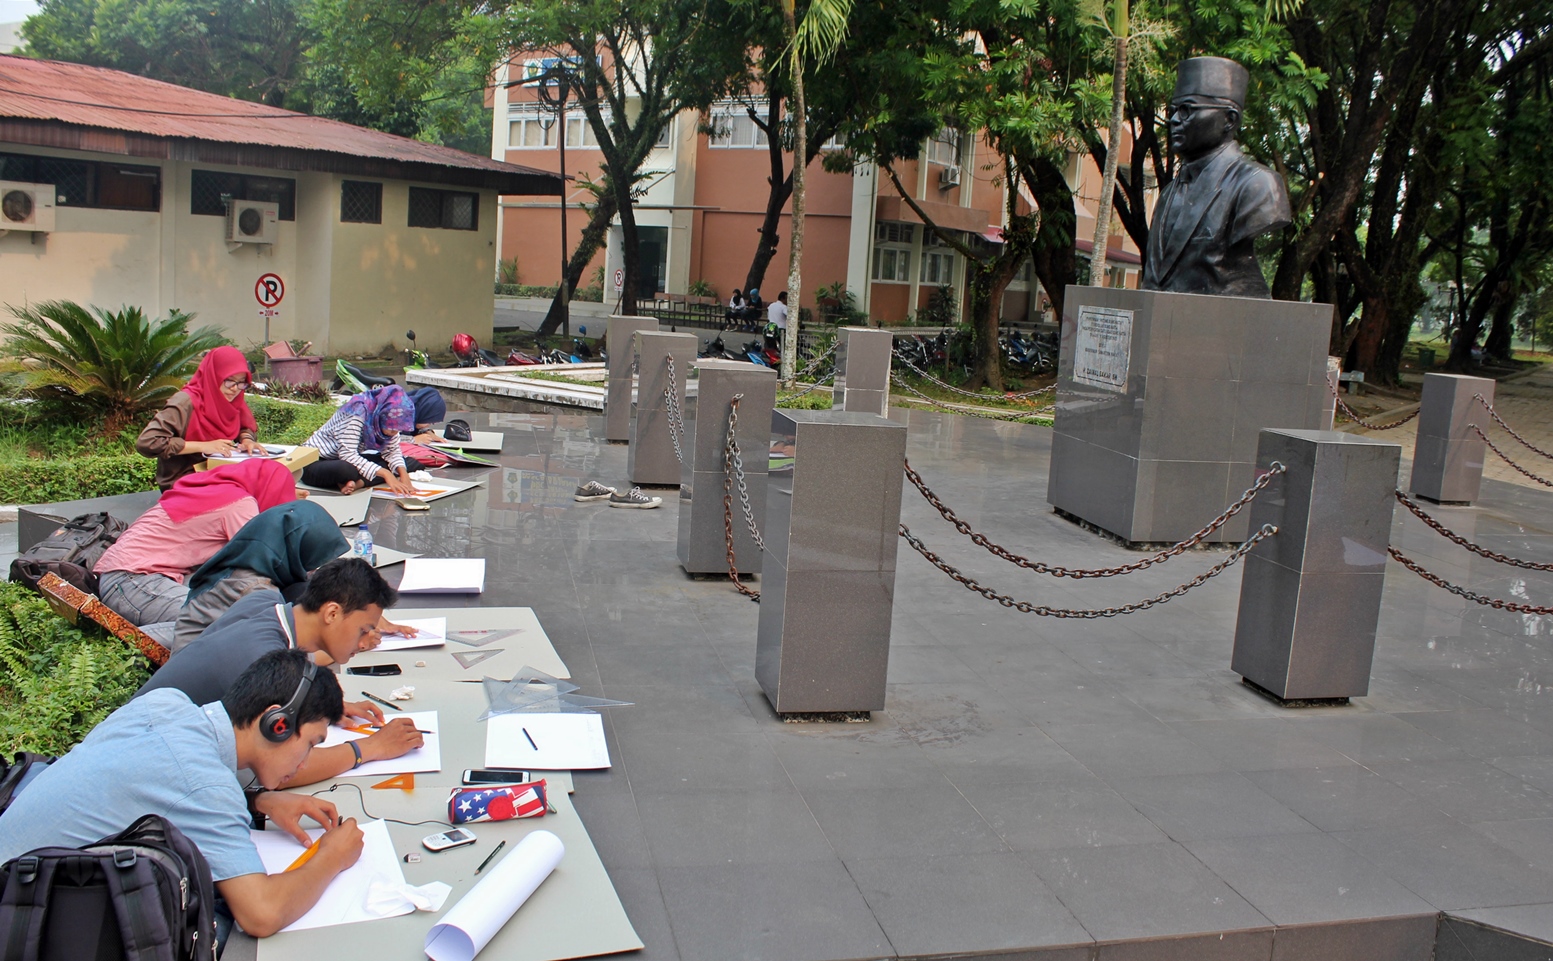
(144, 894)
(71, 552)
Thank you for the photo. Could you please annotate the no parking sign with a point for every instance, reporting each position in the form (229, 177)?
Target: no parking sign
(269, 290)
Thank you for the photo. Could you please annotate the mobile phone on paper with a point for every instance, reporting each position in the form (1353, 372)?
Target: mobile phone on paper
(495, 777)
(376, 670)
(413, 504)
(448, 839)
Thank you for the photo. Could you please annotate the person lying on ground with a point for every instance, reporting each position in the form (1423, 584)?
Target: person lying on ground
(209, 416)
(337, 617)
(142, 577)
(359, 446)
(166, 754)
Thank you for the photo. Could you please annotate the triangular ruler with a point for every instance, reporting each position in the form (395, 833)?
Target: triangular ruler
(466, 661)
(404, 782)
(481, 638)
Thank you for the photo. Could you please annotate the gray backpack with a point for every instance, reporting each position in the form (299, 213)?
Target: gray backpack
(71, 552)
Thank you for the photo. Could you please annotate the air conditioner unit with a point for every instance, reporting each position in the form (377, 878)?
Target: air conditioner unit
(26, 206)
(948, 177)
(252, 222)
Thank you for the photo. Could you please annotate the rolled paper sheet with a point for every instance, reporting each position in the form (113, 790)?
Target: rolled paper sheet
(471, 923)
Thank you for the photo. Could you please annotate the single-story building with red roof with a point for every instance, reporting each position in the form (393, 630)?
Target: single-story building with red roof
(116, 189)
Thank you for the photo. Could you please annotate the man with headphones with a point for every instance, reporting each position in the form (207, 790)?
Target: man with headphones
(164, 754)
(336, 617)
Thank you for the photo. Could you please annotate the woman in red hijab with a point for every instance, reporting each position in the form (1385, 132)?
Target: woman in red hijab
(142, 575)
(209, 416)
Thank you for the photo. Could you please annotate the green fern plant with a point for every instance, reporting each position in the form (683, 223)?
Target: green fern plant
(108, 366)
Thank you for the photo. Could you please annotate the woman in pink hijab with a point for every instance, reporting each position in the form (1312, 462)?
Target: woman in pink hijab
(209, 416)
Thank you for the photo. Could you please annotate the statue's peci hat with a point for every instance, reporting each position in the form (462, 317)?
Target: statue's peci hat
(1213, 78)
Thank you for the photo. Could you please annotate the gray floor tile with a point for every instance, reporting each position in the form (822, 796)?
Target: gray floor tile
(1259, 744)
(1536, 771)
(683, 710)
(780, 912)
(931, 819)
(1376, 738)
(1483, 733)
(759, 826)
(1218, 696)
(1142, 891)
(1005, 756)
(1346, 797)
(679, 763)
(1000, 903)
(642, 898)
(1253, 945)
(832, 757)
(614, 824)
(1531, 839)
(1531, 920)
(1469, 790)
(1453, 868)
(1073, 812)
(1305, 878)
(1134, 748)
(1194, 807)
(1463, 940)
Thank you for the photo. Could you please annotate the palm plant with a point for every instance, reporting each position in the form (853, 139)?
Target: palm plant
(102, 365)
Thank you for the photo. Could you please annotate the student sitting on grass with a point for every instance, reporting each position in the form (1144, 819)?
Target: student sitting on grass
(165, 754)
(359, 445)
(142, 576)
(209, 416)
(338, 616)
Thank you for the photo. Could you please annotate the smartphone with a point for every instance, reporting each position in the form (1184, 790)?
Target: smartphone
(376, 670)
(495, 777)
(448, 839)
(413, 504)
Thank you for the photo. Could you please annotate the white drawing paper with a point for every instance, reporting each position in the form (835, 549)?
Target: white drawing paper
(561, 742)
(471, 923)
(430, 632)
(443, 575)
(344, 901)
(422, 760)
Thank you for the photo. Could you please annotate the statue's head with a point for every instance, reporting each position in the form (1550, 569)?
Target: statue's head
(1205, 109)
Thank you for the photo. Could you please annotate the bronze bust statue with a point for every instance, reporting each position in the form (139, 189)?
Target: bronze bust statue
(1209, 216)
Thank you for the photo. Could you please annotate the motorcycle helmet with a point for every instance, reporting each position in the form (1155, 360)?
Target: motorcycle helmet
(463, 345)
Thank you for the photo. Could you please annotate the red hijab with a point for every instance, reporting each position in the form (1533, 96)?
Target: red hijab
(266, 481)
(214, 418)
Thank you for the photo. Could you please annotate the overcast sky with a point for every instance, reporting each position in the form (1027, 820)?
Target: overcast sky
(14, 10)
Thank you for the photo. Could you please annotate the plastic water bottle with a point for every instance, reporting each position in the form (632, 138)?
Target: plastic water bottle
(362, 546)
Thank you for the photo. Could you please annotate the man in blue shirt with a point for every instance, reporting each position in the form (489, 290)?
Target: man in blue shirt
(163, 754)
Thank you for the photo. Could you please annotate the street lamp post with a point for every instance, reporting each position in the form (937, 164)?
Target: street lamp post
(553, 88)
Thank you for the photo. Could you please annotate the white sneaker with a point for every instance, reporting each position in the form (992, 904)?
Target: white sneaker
(593, 491)
(634, 498)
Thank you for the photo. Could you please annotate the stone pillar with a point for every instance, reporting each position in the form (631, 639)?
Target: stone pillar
(651, 461)
(863, 356)
(1448, 458)
(619, 342)
(828, 584)
(1329, 412)
(703, 542)
(1310, 594)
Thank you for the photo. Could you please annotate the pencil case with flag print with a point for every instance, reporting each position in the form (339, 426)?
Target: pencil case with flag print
(499, 803)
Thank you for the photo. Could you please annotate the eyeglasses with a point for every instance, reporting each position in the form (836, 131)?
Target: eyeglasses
(235, 383)
(1184, 111)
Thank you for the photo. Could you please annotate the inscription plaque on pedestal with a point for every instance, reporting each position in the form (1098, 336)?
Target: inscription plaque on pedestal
(1102, 347)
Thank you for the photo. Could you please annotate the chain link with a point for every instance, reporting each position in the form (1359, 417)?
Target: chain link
(970, 393)
(737, 459)
(814, 364)
(671, 406)
(1355, 416)
(1266, 531)
(1506, 458)
(1015, 415)
(1496, 603)
(812, 387)
(1460, 541)
(732, 465)
(1508, 429)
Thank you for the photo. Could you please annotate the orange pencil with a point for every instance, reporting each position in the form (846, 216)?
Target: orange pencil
(305, 856)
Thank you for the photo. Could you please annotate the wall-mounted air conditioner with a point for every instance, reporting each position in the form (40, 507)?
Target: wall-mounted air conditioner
(252, 222)
(26, 206)
(948, 177)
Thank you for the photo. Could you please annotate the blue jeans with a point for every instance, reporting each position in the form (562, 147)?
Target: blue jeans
(141, 599)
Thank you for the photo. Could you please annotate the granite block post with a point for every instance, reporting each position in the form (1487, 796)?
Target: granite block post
(620, 344)
(651, 461)
(1448, 457)
(1329, 406)
(1160, 397)
(863, 358)
(828, 577)
(1310, 594)
(703, 540)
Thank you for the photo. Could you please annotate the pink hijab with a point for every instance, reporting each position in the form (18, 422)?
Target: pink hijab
(266, 481)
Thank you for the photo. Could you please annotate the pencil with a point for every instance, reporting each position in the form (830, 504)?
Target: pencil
(495, 851)
(305, 856)
(530, 739)
(374, 697)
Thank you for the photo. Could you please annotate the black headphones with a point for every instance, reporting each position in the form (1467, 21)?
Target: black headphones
(279, 723)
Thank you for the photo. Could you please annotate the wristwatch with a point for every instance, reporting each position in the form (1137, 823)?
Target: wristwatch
(252, 797)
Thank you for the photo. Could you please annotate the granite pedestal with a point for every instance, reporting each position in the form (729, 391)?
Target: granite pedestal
(828, 581)
(863, 356)
(1448, 456)
(651, 461)
(1310, 595)
(1159, 400)
(703, 539)
(620, 344)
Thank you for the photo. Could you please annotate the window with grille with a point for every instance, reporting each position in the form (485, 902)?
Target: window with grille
(86, 183)
(210, 189)
(944, 148)
(361, 202)
(937, 268)
(447, 209)
(729, 125)
(889, 232)
(536, 127)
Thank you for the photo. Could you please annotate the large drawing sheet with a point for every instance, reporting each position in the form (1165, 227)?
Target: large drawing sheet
(426, 758)
(382, 556)
(564, 742)
(489, 441)
(430, 632)
(428, 490)
(344, 900)
(471, 923)
(443, 575)
(348, 510)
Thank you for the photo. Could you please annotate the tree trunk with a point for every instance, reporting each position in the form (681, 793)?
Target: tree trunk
(781, 188)
(795, 254)
(1112, 156)
(990, 287)
(593, 237)
(1055, 264)
(630, 251)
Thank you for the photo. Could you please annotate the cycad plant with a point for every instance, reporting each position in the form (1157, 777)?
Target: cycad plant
(110, 367)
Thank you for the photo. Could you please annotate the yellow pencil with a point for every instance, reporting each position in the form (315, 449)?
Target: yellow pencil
(305, 856)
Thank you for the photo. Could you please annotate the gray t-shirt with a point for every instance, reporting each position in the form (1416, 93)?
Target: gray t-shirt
(248, 630)
(158, 754)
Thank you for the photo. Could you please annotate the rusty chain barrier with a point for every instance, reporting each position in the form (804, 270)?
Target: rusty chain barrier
(970, 393)
(733, 472)
(1508, 429)
(1174, 550)
(812, 387)
(1357, 418)
(1506, 457)
(1498, 604)
(1042, 412)
(671, 406)
(1460, 541)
